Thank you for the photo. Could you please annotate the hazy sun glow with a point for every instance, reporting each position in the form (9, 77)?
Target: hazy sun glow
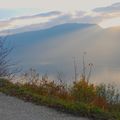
(110, 22)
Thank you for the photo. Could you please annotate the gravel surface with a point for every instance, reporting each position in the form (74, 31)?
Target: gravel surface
(15, 109)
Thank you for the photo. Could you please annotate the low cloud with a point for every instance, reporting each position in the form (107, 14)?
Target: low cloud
(18, 22)
(112, 8)
(109, 11)
(47, 14)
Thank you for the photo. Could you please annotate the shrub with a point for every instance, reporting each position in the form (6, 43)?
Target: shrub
(83, 91)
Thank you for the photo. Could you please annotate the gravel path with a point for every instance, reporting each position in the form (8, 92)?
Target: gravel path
(15, 109)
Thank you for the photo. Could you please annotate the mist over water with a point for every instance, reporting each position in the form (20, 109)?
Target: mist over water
(53, 54)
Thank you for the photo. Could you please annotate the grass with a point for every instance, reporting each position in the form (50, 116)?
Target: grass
(32, 93)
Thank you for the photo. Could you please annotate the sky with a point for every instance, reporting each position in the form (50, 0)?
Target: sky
(16, 14)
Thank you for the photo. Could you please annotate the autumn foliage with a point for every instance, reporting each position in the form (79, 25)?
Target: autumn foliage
(80, 91)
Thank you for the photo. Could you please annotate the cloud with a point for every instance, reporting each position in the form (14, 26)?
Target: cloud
(34, 22)
(40, 21)
(109, 16)
(108, 12)
(50, 13)
(47, 14)
(18, 22)
(48, 19)
(8, 13)
(112, 8)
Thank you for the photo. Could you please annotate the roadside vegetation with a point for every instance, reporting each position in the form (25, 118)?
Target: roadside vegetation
(81, 98)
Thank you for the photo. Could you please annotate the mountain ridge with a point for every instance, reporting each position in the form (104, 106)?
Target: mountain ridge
(66, 26)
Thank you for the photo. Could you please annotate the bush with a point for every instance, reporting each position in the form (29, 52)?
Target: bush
(83, 98)
(83, 91)
(111, 95)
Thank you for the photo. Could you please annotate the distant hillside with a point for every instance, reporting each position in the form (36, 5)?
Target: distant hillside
(52, 49)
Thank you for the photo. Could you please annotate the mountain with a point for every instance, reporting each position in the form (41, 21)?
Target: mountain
(37, 27)
(51, 50)
(50, 32)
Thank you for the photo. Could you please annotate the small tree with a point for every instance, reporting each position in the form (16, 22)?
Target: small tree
(6, 67)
